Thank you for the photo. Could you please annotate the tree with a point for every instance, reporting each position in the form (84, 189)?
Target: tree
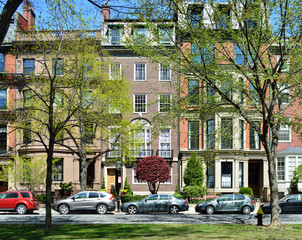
(7, 12)
(154, 170)
(30, 173)
(38, 112)
(239, 62)
(193, 175)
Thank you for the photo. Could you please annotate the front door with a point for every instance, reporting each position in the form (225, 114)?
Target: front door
(110, 179)
(255, 177)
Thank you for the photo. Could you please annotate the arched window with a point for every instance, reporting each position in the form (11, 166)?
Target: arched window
(141, 138)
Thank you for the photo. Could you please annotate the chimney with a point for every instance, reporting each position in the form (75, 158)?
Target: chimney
(105, 12)
(28, 14)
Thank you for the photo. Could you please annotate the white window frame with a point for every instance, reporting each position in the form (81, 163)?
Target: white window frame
(110, 71)
(160, 103)
(145, 74)
(169, 142)
(170, 181)
(285, 128)
(232, 176)
(160, 73)
(146, 101)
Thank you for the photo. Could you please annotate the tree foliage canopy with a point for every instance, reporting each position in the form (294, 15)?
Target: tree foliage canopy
(153, 170)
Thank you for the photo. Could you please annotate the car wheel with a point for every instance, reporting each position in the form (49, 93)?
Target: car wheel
(173, 209)
(102, 209)
(64, 209)
(210, 209)
(21, 209)
(132, 209)
(246, 210)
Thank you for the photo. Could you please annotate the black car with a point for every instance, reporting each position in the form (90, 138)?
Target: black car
(156, 203)
(289, 203)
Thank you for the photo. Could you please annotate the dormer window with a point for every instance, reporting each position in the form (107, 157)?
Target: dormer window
(196, 16)
(115, 35)
(165, 34)
(223, 16)
(140, 33)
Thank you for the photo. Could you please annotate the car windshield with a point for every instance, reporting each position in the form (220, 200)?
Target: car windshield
(284, 198)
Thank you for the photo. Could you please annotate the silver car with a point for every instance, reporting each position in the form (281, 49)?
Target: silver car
(86, 201)
(156, 203)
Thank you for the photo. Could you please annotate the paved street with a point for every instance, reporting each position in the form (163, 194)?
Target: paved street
(189, 217)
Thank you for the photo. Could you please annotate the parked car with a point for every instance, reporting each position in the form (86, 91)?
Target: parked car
(19, 201)
(156, 203)
(289, 203)
(227, 203)
(86, 201)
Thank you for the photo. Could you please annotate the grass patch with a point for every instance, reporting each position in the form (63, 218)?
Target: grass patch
(149, 231)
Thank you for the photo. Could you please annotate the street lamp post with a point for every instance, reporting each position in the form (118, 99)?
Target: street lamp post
(118, 167)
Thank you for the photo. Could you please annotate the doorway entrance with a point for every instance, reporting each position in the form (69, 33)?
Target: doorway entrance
(90, 174)
(256, 177)
(110, 180)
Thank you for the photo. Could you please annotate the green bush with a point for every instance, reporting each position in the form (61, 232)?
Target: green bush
(132, 198)
(194, 192)
(247, 191)
(41, 198)
(127, 187)
(103, 184)
(178, 195)
(194, 174)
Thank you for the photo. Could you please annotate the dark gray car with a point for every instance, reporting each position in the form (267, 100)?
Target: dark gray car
(227, 203)
(156, 203)
(289, 203)
(86, 201)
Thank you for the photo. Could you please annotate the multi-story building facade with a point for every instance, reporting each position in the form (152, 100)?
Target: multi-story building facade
(238, 158)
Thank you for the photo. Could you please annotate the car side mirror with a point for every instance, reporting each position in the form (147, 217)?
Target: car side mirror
(73, 198)
(145, 200)
(217, 201)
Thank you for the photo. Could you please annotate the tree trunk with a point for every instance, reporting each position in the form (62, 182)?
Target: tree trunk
(275, 218)
(48, 189)
(84, 168)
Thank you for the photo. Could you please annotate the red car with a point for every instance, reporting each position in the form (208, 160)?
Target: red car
(20, 201)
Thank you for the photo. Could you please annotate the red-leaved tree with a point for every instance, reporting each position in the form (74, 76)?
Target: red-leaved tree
(153, 170)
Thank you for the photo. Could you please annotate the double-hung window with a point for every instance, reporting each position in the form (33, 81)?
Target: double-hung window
(165, 142)
(193, 135)
(58, 66)
(210, 134)
(140, 34)
(241, 179)
(239, 55)
(226, 174)
(165, 103)
(211, 175)
(3, 99)
(28, 66)
(115, 35)
(226, 134)
(284, 133)
(223, 16)
(281, 168)
(140, 72)
(140, 103)
(193, 92)
(115, 71)
(254, 137)
(2, 62)
(114, 142)
(164, 72)
(165, 34)
(57, 170)
(3, 139)
(196, 16)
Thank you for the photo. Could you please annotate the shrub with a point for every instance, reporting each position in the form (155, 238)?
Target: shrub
(103, 184)
(41, 198)
(194, 192)
(247, 191)
(293, 187)
(127, 187)
(176, 189)
(193, 174)
(178, 195)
